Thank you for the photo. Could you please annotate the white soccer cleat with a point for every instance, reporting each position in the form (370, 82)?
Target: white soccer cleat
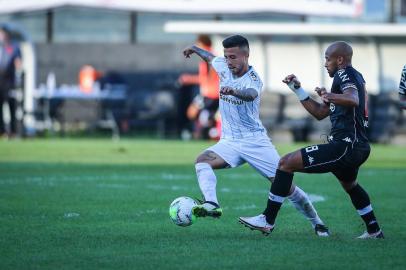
(376, 235)
(258, 223)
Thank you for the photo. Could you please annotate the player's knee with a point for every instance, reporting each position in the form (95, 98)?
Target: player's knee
(285, 163)
(202, 158)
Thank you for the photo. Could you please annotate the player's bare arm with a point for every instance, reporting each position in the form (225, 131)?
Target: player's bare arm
(318, 110)
(349, 98)
(205, 55)
(248, 94)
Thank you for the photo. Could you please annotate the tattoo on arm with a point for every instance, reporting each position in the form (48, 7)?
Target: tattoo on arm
(205, 55)
(248, 94)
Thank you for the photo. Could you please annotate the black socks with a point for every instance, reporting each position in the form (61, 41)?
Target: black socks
(362, 203)
(279, 191)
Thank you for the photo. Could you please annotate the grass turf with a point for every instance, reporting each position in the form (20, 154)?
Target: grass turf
(96, 204)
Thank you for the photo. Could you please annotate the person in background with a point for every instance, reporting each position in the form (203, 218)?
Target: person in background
(204, 106)
(10, 65)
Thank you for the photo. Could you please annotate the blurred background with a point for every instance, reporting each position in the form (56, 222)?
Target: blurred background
(115, 68)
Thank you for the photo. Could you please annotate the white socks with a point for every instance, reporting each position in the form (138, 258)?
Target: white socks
(207, 181)
(303, 204)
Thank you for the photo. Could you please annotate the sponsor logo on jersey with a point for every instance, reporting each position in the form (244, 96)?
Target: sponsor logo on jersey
(311, 159)
(366, 123)
(230, 100)
(343, 76)
(332, 107)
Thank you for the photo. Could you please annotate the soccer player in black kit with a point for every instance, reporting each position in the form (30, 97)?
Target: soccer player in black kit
(347, 148)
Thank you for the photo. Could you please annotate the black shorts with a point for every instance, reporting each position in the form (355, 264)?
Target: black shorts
(340, 158)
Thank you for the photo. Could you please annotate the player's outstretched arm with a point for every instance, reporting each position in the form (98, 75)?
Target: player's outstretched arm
(318, 110)
(205, 55)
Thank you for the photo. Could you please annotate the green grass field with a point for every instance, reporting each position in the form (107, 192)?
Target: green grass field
(96, 204)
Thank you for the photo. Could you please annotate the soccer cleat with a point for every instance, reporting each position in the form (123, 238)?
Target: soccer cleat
(375, 235)
(321, 230)
(258, 223)
(207, 209)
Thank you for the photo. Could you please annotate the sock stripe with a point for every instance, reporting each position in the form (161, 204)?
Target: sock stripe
(276, 198)
(364, 210)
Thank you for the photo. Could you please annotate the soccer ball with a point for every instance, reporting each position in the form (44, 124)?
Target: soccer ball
(180, 211)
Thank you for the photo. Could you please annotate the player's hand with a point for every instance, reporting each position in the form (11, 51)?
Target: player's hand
(188, 51)
(322, 92)
(292, 81)
(225, 90)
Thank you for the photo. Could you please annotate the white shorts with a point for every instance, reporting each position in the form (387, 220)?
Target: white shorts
(258, 152)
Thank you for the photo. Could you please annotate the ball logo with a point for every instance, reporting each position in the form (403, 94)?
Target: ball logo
(332, 107)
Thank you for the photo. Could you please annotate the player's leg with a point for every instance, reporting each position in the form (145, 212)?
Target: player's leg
(312, 159)
(205, 163)
(265, 160)
(12, 103)
(361, 201)
(219, 156)
(302, 203)
(279, 191)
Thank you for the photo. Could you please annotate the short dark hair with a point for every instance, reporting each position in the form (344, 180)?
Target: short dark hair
(236, 41)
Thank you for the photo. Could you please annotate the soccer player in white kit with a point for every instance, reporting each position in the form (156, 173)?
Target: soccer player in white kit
(243, 137)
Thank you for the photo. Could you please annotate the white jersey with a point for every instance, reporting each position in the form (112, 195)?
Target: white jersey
(239, 119)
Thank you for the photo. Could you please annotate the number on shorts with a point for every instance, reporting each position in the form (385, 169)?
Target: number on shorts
(311, 148)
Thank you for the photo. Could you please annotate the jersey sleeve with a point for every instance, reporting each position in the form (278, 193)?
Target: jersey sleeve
(402, 84)
(345, 80)
(219, 64)
(255, 82)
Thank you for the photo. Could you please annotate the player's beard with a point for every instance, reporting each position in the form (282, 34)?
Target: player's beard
(332, 73)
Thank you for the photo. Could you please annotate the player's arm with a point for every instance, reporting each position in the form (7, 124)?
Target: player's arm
(205, 55)
(318, 110)
(349, 98)
(248, 94)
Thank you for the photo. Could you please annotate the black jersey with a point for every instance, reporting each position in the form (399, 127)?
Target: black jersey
(349, 123)
(402, 84)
